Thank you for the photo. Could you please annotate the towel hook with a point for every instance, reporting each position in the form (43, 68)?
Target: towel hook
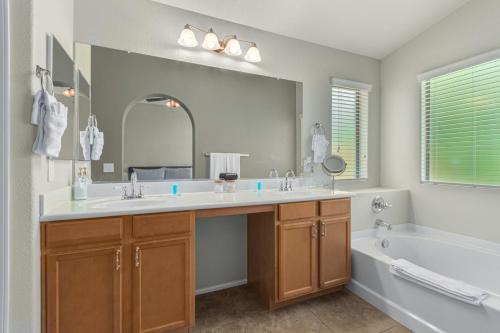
(42, 74)
(319, 129)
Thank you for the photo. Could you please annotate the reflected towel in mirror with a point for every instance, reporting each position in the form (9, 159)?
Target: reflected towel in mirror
(224, 162)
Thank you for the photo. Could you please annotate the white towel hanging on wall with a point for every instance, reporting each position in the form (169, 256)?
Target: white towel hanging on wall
(51, 117)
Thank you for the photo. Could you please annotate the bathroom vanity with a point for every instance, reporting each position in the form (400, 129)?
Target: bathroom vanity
(133, 270)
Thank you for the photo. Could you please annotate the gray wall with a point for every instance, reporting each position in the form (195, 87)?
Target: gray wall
(154, 135)
(471, 30)
(232, 111)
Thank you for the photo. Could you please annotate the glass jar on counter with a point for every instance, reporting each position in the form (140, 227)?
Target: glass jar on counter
(219, 186)
(230, 186)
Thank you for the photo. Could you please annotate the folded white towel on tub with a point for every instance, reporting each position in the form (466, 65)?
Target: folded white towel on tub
(439, 283)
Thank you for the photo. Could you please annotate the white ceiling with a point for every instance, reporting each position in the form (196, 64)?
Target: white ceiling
(374, 28)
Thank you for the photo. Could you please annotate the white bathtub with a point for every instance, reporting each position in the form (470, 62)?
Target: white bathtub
(463, 258)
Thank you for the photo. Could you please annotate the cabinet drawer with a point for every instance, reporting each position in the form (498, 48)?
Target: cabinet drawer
(335, 207)
(83, 232)
(297, 210)
(162, 224)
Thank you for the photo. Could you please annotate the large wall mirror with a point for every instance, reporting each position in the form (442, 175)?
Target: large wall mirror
(160, 117)
(61, 66)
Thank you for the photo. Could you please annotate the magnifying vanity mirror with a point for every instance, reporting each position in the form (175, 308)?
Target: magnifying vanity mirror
(334, 165)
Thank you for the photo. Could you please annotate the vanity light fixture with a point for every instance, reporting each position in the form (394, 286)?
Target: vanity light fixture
(187, 37)
(253, 54)
(230, 45)
(211, 41)
(70, 92)
(172, 104)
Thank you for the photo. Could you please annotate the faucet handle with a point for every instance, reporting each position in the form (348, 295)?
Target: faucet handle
(123, 190)
(379, 204)
(273, 173)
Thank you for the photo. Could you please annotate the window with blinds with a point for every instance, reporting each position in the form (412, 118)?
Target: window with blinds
(350, 127)
(461, 126)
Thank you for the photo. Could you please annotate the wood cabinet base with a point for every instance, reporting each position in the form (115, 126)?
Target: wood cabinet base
(136, 274)
(301, 251)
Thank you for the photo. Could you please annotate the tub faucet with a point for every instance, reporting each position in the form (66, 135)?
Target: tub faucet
(381, 223)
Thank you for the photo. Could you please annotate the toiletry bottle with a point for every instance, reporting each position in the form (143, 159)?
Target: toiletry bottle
(80, 186)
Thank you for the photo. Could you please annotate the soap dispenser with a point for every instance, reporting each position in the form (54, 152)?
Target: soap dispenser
(80, 186)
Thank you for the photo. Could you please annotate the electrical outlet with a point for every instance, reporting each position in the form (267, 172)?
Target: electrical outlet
(108, 167)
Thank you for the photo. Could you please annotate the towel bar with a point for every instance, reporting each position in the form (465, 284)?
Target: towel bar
(241, 155)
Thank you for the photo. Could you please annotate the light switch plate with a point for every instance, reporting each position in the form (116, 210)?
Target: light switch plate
(108, 167)
(51, 170)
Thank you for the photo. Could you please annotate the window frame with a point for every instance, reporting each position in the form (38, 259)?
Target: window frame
(433, 73)
(358, 87)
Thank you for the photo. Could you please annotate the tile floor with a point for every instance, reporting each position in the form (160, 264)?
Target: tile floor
(239, 310)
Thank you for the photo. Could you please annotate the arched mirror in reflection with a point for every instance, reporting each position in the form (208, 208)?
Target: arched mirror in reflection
(158, 139)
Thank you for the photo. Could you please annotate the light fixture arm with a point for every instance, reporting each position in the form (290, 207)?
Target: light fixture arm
(189, 26)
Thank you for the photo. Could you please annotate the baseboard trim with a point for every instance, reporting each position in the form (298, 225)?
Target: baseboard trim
(221, 286)
(392, 309)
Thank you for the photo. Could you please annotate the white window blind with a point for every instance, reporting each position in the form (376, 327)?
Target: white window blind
(350, 126)
(461, 126)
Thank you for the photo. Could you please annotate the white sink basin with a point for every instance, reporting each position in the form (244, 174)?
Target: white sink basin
(134, 203)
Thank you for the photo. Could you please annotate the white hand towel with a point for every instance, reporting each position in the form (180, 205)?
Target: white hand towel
(224, 162)
(85, 143)
(439, 283)
(55, 123)
(38, 104)
(319, 147)
(233, 163)
(51, 117)
(98, 145)
(37, 118)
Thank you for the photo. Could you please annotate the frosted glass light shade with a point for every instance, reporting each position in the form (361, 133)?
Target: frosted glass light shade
(172, 104)
(233, 47)
(253, 54)
(211, 41)
(187, 38)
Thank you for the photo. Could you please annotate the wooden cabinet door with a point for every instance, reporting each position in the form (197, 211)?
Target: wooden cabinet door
(163, 285)
(297, 259)
(84, 291)
(335, 252)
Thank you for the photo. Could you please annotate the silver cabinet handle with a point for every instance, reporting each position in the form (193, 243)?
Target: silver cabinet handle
(314, 232)
(323, 229)
(118, 260)
(137, 249)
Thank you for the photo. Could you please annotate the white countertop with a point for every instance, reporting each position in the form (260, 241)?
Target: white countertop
(114, 206)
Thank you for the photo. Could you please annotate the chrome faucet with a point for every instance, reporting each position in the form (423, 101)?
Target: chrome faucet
(134, 194)
(287, 185)
(381, 223)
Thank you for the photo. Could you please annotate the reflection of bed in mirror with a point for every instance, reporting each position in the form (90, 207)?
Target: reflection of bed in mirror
(152, 173)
